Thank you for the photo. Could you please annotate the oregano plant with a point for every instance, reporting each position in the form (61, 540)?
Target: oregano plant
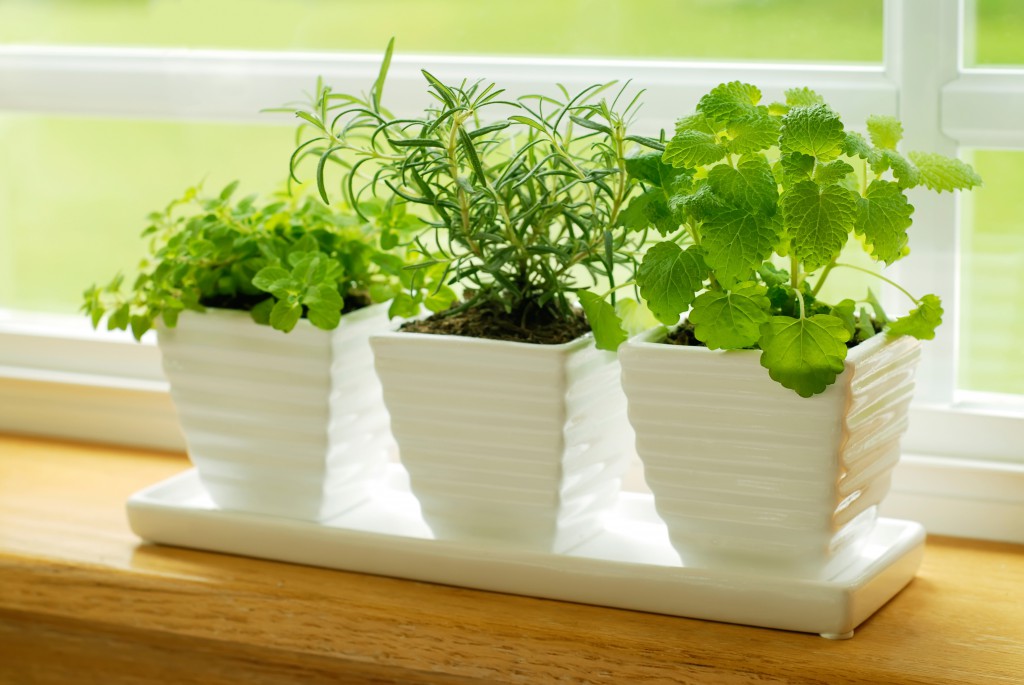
(755, 203)
(282, 260)
(521, 197)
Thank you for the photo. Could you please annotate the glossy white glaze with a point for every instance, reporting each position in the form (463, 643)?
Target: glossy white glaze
(281, 424)
(629, 564)
(509, 442)
(748, 474)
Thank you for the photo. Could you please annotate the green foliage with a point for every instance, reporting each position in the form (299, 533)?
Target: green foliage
(281, 260)
(883, 217)
(768, 186)
(804, 354)
(669, 277)
(944, 173)
(730, 320)
(886, 132)
(528, 200)
(922, 321)
(608, 329)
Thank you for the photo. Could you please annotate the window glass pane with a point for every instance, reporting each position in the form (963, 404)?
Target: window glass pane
(719, 29)
(996, 36)
(992, 324)
(74, 193)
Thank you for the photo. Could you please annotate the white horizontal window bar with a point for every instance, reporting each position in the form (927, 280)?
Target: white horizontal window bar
(985, 108)
(233, 85)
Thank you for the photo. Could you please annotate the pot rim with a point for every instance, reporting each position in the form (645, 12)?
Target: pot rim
(449, 339)
(652, 337)
(225, 313)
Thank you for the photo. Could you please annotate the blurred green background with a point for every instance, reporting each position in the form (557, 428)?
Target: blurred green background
(74, 190)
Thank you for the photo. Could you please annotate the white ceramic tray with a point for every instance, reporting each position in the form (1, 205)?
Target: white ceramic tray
(630, 565)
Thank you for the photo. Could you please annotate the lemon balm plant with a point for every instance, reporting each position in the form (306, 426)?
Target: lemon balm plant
(287, 425)
(757, 203)
(511, 424)
(780, 471)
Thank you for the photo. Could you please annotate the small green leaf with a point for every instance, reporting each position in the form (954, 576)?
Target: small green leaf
(415, 142)
(940, 173)
(883, 217)
(753, 133)
(729, 101)
(846, 311)
(921, 322)
(378, 86)
(730, 320)
(816, 131)
(140, 324)
(440, 299)
(880, 314)
(285, 315)
(804, 355)
(750, 185)
(669, 277)
(403, 306)
(635, 316)
(484, 130)
(903, 170)
(229, 189)
(590, 124)
(818, 221)
(604, 322)
(696, 122)
(833, 172)
(735, 243)
(886, 132)
(649, 209)
(261, 312)
(529, 122)
(855, 145)
(645, 167)
(272, 278)
(803, 97)
(692, 149)
(324, 305)
(441, 89)
(796, 167)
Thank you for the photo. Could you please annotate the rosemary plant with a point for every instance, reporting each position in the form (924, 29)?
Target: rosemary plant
(523, 195)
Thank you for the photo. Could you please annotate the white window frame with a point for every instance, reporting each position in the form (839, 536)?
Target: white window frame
(963, 471)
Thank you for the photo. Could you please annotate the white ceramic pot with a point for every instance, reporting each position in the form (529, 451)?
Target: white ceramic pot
(288, 425)
(746, 473)
(506, 442)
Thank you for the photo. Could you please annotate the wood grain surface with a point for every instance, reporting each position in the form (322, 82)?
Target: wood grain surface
(82, 600)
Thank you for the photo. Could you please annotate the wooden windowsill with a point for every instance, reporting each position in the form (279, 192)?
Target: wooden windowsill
(83, 600)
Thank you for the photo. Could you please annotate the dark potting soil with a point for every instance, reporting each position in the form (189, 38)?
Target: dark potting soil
(684, 336)
(353, 301)
(491, 321)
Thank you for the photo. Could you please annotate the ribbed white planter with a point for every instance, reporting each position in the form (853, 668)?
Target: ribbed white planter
(288, 425)
(507, 443)
(746, 473)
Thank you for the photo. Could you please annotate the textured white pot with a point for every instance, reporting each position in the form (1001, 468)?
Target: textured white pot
(506, 442)
(280, 424)
(746, 473)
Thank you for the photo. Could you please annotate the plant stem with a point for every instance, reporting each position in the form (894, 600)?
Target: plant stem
(822, 277)
(800, 299)
(794, 275)
(880, 277)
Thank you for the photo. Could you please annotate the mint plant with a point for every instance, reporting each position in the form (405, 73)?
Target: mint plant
(521, 197)
(282, 260)
(755, 204)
